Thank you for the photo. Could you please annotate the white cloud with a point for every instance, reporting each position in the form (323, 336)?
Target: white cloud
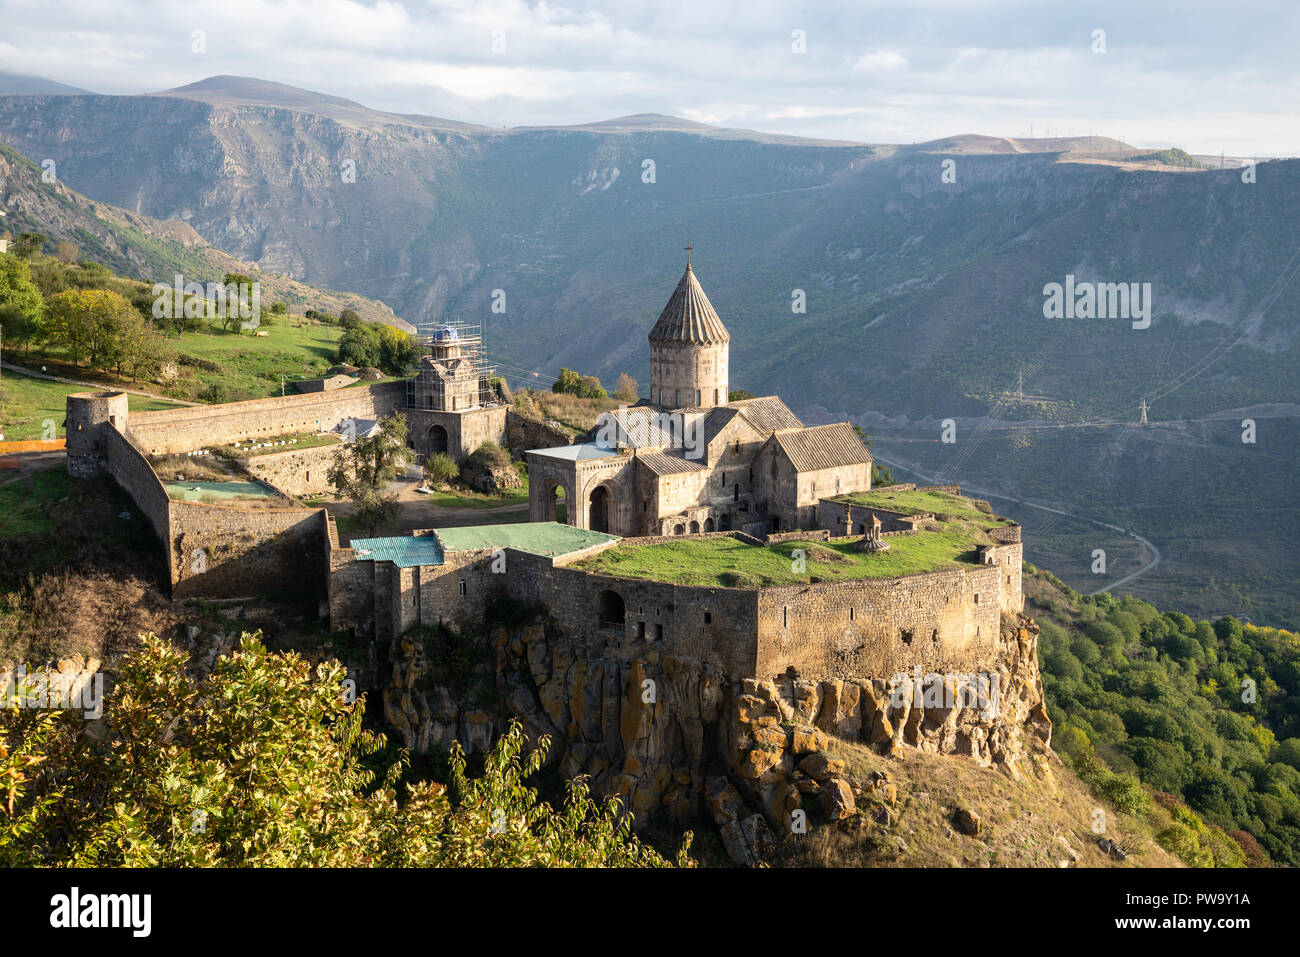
(1201, 76)
(880, 60)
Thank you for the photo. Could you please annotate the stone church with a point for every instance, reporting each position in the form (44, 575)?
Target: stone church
(689, 460)
(450, 404)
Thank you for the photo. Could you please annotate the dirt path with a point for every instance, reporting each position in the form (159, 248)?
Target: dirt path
(417, 511)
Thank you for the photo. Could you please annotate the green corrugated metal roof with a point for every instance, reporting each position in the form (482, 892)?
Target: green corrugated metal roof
(539, 538)
(405, 551)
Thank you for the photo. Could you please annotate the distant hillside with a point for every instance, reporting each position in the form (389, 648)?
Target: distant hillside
(143, 247)
(233, 92)
(19, 84)
(1199, 712)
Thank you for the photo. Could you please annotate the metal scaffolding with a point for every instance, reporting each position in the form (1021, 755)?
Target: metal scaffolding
(454, 374)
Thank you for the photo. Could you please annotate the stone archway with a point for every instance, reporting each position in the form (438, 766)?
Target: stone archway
(708, 524)
(695, 528)
(437, 440)
(610, 611)
(598, 512)
(679, 529)
(557, 505)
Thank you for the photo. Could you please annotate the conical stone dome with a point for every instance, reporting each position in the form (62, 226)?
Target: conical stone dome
(689, 316)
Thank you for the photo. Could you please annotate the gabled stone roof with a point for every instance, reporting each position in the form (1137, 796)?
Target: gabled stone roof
(767, 413)
(669, 463)
(643, 427)
(822, 447)
(689, 316)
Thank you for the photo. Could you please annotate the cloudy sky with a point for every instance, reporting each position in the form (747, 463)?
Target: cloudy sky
(1204, 76)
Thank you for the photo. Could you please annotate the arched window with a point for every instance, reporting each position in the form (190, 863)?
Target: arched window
(609, 611)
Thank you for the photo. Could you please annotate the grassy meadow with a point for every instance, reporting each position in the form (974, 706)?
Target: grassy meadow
(27, 403)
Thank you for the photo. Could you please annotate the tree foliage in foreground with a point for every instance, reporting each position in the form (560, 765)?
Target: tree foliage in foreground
(264, 763)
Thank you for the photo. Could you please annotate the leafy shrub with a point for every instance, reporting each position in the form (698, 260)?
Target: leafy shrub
(583, 386)
(216, 393)
(440, 468)
(275, 764)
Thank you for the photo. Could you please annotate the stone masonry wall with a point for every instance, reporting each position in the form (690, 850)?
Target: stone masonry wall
(136, 477)
(712, 625)
(941, 621)
(524, 433)
(222, 552)
(183, 430)
(298, 472)
(351, 592)
(465, 431)
(676, 739)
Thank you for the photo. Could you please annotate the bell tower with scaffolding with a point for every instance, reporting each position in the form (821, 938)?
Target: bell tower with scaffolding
(451, 406)
(453, 375)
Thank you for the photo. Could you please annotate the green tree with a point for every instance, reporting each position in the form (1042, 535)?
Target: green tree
(363, 468)
(584, 386)
(29, 244)
(92, 324)
(19, 295)
(375, 344)
(17, 327)
(265, 763)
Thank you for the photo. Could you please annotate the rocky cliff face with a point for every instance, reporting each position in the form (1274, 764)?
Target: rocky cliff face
(676, 740)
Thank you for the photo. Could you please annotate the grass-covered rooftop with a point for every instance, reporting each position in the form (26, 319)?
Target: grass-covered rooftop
(949, 542)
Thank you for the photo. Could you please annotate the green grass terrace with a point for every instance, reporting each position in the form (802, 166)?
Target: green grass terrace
(949, 542)
(281, 443)
(943, 505)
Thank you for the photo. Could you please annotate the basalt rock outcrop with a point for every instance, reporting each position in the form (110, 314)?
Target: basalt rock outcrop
(678, 741)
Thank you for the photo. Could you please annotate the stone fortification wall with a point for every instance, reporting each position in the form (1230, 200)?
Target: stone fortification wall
(215, 551)
(941, 621)
(845, 519)
(712, 625)
(816, 535)
(1008, 560)
(700, 743)
(89, 416)
(183, 430)
(132, 472)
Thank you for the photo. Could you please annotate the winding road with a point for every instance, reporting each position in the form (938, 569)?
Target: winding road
(1154, 553)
